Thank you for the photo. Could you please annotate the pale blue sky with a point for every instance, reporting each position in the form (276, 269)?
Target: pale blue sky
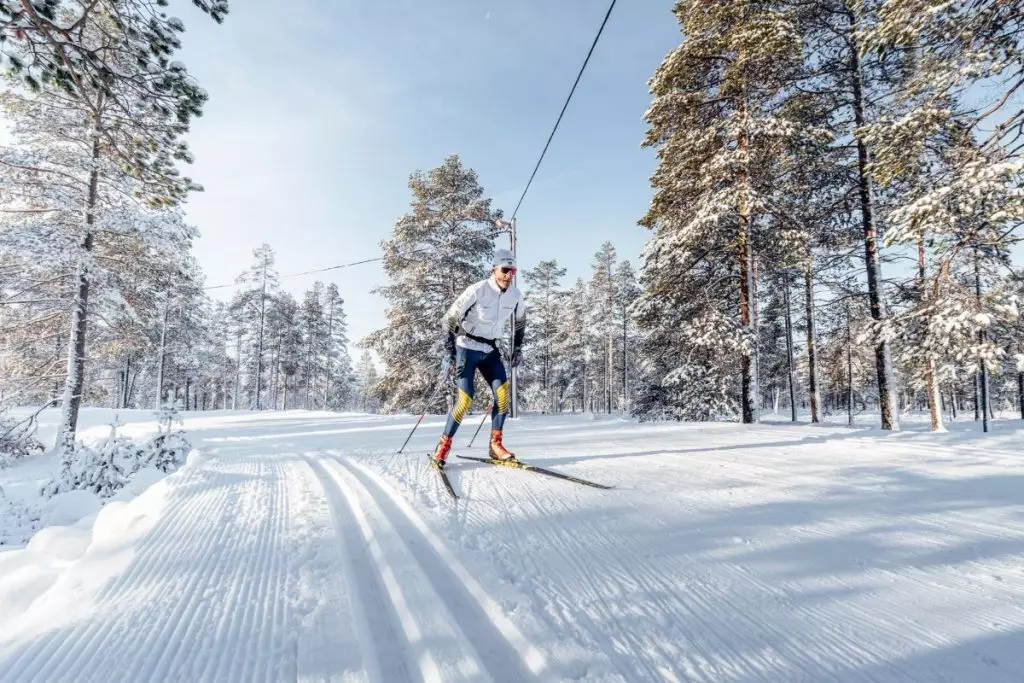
(319, 111)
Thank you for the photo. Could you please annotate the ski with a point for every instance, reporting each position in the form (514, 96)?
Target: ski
(520, 465)
(444, 477)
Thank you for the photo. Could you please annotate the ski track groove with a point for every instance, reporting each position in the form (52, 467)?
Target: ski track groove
(503, 660)
(243, 510)
(261, 584)
(197, 515)
(281, 612)
(155, 650)
(705, 596)
(569, 606)
(81, 641)
(193, 604)
(381, 639)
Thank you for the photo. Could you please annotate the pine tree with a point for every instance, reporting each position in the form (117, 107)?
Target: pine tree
(437, 250)
(111, 110)
(259, 285)
(715, 119)
(314, 334)
(571, 366)
(366, 377)
(855, 81)
(286, 347)
(627, 290)
(544, 298)
(602, 291)
(338, 390)
(54, 41)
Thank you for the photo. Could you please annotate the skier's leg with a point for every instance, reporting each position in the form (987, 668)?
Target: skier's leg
(465, 364)
(493, 371)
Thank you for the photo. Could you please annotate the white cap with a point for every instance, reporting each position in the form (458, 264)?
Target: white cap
(503, 257)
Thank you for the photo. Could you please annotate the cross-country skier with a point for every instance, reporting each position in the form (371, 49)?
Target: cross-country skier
(473, 324)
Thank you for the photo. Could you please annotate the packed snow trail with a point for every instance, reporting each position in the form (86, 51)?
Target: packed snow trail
(298, 546)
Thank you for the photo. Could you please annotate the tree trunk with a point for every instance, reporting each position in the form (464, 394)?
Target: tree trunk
(275, 371)
(188, 387)
(812, 348)
(977, 397)
(982, 366)
(330, 344)
(55, 389)
(789, 348)
(749, 389)
(238, 367)
(931, 375)
(162, 355)
(849, 366)
(625, 382)
(125, 394)
(1020, 393)
(75, 381)
(309, 367)
(259, 340)
(883, 354)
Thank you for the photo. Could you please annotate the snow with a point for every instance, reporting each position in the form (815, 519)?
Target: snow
(300, 546)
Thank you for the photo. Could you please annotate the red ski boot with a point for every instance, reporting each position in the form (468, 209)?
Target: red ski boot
(496, 450)
(441, 453)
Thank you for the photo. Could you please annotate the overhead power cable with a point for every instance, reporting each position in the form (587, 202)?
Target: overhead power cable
(564, 107)
(526, 189)
(319, 270)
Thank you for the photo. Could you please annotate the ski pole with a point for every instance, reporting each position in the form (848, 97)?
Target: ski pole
(440, 384)
(482, 420)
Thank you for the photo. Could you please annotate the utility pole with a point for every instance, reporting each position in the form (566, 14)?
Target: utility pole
(513, 404)
(510, 228)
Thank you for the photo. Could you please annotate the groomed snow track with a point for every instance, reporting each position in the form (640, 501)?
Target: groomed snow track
(296, 549)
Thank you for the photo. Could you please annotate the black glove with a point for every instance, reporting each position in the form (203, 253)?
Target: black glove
(449, 346)
(517, 358)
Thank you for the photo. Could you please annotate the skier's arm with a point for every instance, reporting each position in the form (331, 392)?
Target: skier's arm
(455, 315)
(517, 340)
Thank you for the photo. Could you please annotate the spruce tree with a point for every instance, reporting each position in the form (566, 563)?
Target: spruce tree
(440, 247)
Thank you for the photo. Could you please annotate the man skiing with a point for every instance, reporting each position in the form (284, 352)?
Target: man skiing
(474, 323)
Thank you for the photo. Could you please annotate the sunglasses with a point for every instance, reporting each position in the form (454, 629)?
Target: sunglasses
(505, 270)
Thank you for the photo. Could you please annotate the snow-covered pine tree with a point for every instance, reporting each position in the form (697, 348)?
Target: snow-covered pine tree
(714, 120)
(285, 347)
(570, 349)
(314, 334)
(338, 392)
(854, 82)
(87, 174)
(955, 148)
(603, 337)
(627, 290)
(436, 250)
(222, 364)
(846, 348)
(259, 283)
(544, 298)
(365, 377)
(33, 328)
(50, 41)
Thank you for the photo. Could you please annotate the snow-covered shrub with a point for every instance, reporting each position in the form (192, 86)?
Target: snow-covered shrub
(107, 467)
(17, 440)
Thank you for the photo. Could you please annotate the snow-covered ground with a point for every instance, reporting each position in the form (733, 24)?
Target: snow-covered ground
(298, 546)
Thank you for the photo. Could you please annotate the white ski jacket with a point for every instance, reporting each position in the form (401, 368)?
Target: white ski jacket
(482, 311)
